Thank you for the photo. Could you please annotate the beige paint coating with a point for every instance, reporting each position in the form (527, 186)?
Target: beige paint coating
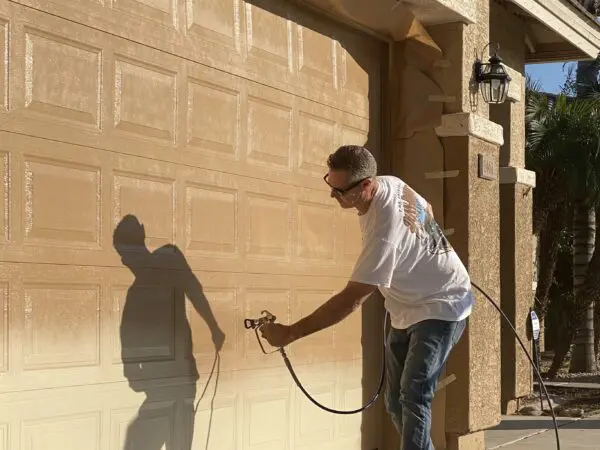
(210, 123)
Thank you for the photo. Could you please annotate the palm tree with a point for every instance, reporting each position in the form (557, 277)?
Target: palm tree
(549, 197)
(583, 358)
(563, 147)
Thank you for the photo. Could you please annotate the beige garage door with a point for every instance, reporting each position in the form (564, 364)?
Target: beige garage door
(208, 122)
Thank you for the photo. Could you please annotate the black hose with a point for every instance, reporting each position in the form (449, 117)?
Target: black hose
(535, 369)
(288, 364)
(370, 403)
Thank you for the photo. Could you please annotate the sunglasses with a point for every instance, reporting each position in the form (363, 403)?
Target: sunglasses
(339, 191)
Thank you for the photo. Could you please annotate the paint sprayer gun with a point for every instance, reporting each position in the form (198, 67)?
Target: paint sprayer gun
(256, 324)
(253, 324)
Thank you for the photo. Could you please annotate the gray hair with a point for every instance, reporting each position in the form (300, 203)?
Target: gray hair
(358, 161)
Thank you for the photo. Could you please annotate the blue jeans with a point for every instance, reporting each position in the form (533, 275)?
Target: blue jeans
(415, 358)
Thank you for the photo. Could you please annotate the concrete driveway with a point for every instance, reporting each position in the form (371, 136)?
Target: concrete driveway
(537, 433)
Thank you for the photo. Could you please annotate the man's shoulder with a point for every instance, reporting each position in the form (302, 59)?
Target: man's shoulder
(390, 180)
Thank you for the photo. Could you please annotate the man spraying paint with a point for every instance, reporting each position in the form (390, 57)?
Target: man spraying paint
(427, 289)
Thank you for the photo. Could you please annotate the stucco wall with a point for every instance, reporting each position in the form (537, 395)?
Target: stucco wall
(508, 30)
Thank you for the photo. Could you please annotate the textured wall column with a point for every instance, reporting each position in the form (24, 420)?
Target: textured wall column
(471, 210)
(508, 30)
(516, 191)
(418, 155)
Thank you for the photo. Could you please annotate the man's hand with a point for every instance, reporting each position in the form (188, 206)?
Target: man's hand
(218, 338)
(276, 334)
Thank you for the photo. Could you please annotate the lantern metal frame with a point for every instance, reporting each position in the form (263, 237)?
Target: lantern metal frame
(485, 73)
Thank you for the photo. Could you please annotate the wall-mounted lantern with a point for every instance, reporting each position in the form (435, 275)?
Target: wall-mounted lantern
(492, 78)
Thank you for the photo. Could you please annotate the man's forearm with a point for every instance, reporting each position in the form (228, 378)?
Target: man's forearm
(336, 309)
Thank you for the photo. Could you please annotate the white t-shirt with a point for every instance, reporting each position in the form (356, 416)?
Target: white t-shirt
(406, 255)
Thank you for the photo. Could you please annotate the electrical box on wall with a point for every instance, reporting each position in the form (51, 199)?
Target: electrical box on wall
(487, 167)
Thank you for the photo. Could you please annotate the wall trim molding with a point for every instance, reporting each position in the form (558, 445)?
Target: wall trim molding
(468, 124)
(517, 175)
(566, 20)
(516, 84)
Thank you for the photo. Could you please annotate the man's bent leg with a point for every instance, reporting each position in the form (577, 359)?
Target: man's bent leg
(396, 351)
(430, 343)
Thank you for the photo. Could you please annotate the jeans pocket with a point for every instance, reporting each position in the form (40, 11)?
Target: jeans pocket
(458, 331)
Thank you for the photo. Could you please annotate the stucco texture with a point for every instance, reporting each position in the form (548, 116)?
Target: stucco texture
(472, 210)
(517, 296)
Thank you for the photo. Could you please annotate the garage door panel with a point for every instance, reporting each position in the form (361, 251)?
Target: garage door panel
(213, 112)
(5, 305)
(216, 422)
(4, 40)
(164, 12)
(269, 46)
(210, 122)
(145, 100)
(120, 96)
(68, 198)
(73, 325)
(269, 39)
(4, 442)
(270, 115)
(153, 427)
(48, 338)
(269, 127)
(261, 434)
(242, 409)
(318, 134)
(215, 21)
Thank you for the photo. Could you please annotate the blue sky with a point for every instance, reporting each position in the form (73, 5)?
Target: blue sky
(550, 76)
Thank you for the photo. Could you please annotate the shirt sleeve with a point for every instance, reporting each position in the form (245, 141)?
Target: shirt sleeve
(376, 264)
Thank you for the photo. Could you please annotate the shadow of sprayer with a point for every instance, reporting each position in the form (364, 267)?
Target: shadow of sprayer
(156, 340)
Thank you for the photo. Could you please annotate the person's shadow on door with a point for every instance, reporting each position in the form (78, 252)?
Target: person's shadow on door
(156, 337)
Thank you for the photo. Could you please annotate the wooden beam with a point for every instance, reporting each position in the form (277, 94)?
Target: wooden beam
(569, 22)
(562, 51)
(529, 42)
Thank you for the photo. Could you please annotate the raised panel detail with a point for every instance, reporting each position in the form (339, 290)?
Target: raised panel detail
(352, 237)
(316, 237)
(131, 195)
(317, 140)
(211, 224)
(348, 341)
(72, 432)
(3, 65)
(62, 202)
(152, 427)
(223, 303)
(268, 229)
(356, 77)
(315, 427)
(213, 118)
(319, 345)
(61, 325)
(163, 11)
(4, 307)
(62, 78)
(267, 415)
(268, 35)
(351, 423)
(216, 422)
(145, 100)
(269, 132)
(5, 194)
(217, 20)
(144, 321)
(4, 436)
(316, 55)
(353, 136)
